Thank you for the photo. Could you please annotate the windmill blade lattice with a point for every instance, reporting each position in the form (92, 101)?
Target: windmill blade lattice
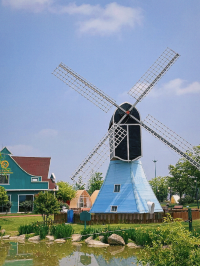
(153, 75)
(101, 152)
(170, 138)
(83, 87)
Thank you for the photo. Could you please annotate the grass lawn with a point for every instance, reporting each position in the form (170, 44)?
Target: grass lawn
(11, 225)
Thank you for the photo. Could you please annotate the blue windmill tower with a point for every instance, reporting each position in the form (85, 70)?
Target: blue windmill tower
(125, 189)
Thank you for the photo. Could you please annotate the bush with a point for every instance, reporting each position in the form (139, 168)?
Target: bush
(61, 231)
(186, 200)
(181, 246)
(36, 228)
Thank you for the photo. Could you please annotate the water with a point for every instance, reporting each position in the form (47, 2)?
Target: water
(53, 254)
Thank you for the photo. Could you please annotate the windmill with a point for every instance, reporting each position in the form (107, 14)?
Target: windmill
(125, 188)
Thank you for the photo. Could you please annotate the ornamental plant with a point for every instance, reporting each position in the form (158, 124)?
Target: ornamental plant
(46, 204)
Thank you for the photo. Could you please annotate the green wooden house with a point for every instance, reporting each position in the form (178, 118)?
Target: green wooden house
(24, 177)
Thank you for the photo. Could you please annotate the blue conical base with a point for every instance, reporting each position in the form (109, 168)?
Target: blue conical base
(134, 193)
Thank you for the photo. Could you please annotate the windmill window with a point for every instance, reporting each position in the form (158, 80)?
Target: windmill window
(117, 188)
(34, 179)
(113, 208)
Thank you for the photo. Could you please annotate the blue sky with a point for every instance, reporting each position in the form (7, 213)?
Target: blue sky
(111, 44)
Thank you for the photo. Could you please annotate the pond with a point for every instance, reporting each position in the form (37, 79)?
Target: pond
(52, 254)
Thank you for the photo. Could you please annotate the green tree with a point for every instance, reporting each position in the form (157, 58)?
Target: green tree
(183, 175)
(3, 196)
(46, 204)
(95, 182)
(160, 187)
(65, 192)
(79, 184)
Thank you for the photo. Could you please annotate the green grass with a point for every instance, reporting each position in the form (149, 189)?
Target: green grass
(11, 225)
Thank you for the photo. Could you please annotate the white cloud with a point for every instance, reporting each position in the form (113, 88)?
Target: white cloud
(92, 19)
(177, 87)
(45, 133)
(30, 5)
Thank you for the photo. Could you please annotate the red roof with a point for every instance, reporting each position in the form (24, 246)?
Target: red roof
(37, 166)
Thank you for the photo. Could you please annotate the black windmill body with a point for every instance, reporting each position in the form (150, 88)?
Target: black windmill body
(130, 148)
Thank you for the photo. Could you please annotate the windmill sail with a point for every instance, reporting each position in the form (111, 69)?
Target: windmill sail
(170, 138)
(83, 87)
(153, 75)
(100, 153)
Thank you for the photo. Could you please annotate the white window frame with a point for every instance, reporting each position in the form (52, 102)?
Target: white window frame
(8, 181)
(24, 195)
(119, 188)
(112, 207)
(34, 178)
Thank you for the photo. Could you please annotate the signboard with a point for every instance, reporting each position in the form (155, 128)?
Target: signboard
(85, 216)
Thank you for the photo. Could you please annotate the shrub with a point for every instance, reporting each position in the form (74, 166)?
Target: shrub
(36, 228)
(182, 247)
(61, 231)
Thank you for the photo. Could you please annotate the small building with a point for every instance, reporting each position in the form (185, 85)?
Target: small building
(94, 196)
(81, 201)
(24, 177)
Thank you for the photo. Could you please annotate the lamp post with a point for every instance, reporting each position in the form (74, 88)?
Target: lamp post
(197, 190)
(155, 172)
(158, 194)
(170, 192)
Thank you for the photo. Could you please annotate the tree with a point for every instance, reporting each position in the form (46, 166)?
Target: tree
(3, 196)
(45, 203)
(182, 172)
(95, 182)
(65, 192)
(160, 187)
(80, 185)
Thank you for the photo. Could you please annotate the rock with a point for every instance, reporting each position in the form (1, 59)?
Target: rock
(95, 243)
(50, 238)
(6, 237)
(116, 240)
(76, 237)
(115, 249)
(22, 236)
(60, 240)
(101, 238)
(17, 238)
(88, 239)
(133, 245)
(76, 244)
(34, 238)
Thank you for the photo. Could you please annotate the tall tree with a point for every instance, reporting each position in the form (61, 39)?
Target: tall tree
(46, 204)
(160, 187)
(65, 191)
(183, 174)
(95, 182)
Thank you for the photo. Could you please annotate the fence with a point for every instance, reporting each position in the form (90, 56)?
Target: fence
(114, 218)
(183, 214)
(129, 218)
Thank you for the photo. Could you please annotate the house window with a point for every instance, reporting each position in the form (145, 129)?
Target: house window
(117, 188)
(23, 198)
(4, 179)
(34, 179)
(113, 208)
(2, 208)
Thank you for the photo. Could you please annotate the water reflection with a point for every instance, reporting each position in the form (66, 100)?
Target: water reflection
(52, 254)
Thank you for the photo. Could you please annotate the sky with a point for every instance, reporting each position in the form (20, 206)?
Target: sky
(111, 44)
